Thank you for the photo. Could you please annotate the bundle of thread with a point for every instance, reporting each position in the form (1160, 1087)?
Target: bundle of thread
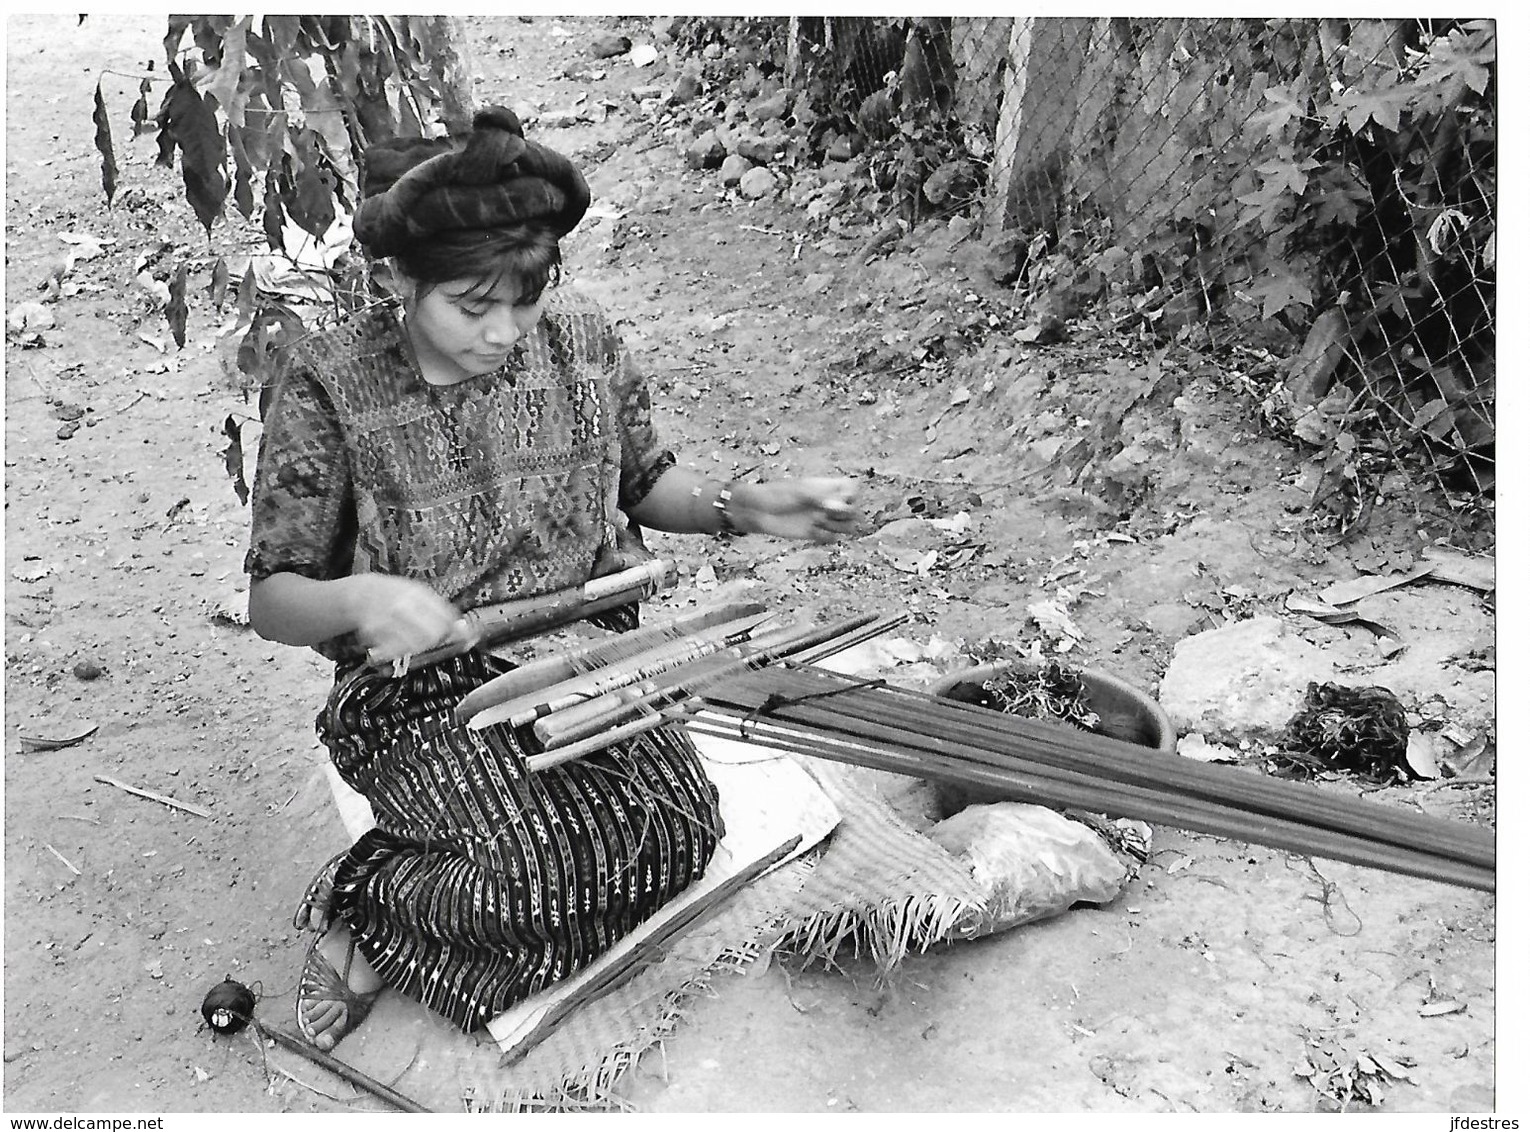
(1348, 730)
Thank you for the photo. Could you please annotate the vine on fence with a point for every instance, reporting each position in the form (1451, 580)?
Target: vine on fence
(1375, 202)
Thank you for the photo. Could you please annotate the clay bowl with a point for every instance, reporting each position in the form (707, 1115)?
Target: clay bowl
(1125, 712)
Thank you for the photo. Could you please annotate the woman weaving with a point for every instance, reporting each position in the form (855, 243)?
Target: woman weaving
(484, 437)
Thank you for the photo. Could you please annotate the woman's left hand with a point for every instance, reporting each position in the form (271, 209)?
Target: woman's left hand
(820, 509)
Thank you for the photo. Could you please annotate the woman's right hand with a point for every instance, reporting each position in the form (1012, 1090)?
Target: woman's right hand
(397, 617)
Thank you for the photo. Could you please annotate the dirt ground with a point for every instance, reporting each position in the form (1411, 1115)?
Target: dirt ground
(1227, 978)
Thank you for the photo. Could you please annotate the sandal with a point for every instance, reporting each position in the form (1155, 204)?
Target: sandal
(320, 982)
(313, 912)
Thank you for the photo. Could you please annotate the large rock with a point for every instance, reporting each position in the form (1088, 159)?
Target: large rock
(839, 148)
(608, 45)
(757, 183)
(687, 87)
(1244, 680)
(734, 168)
(772, 106)
(706, 152)
(761, 151)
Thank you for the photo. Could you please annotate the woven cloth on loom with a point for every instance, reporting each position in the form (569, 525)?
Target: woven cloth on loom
(875, 885)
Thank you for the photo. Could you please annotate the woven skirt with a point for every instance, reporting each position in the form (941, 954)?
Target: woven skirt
(482, 884)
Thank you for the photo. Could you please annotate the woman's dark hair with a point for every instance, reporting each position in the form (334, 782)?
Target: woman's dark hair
(526, 256)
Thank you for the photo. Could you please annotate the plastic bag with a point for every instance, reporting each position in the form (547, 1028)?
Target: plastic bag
(1029, 861)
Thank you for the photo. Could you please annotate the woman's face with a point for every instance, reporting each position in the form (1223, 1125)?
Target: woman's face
(459, 330)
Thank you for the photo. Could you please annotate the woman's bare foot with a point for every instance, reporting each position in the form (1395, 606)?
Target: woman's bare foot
(336, 990)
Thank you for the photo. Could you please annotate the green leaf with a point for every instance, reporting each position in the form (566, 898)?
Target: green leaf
(244, 301)
(1340, 198)
(193, 125)
(1461, 59)
(217, 286)
(244, 172)
(104, 145)
(166, 137)
(207, 32)
(271, 329)
(225, 86)
(176, 32)
(311, 201)
(273, 217)
(1282, 110)
(1278, 289)
(233, 457)
(282, 32)
(175, 309)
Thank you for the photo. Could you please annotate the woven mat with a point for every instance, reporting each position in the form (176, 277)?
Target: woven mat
(875, 886)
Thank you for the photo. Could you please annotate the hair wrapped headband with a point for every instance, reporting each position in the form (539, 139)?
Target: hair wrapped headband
(417, 187)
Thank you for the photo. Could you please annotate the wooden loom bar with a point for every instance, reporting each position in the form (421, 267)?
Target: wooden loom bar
(646, 664)
(1132, 765)
(551, 669)
(1050, 787)
(617, 707)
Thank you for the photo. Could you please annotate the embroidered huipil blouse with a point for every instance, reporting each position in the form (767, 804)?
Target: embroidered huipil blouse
(501, 486)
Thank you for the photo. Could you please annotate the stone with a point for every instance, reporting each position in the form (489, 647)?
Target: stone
(1243, 680)
(761, 151)
(877, 116)
(1007, 256)
(706, 152)
(733, 169)
(687, 88)
(772, 106)
(757, 183)
(840, 170)
(610, 45)
(840, 148)
(951, 179)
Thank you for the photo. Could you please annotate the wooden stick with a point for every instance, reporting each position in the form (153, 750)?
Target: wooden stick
(587, 719)
(640, 726)
(645, 665)
(850, 640)
(355, 1076)
(512, 620)
(153, 797)
(1054, 745)
(551, 669)
(68, 864)
(890, 752)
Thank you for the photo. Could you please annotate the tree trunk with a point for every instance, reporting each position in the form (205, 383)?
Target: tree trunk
(444, 40)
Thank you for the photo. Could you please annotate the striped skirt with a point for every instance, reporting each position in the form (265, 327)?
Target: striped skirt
(481, 883)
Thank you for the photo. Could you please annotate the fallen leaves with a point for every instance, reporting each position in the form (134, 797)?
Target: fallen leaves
(57, 736)
(1347, 1076)
(1052, 618)
(1440, 1008)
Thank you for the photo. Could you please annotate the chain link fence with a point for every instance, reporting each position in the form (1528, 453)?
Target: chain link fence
(1320, 193)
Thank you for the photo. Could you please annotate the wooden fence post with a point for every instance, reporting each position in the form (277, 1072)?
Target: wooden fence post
(979, 47)
(1046, 58)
